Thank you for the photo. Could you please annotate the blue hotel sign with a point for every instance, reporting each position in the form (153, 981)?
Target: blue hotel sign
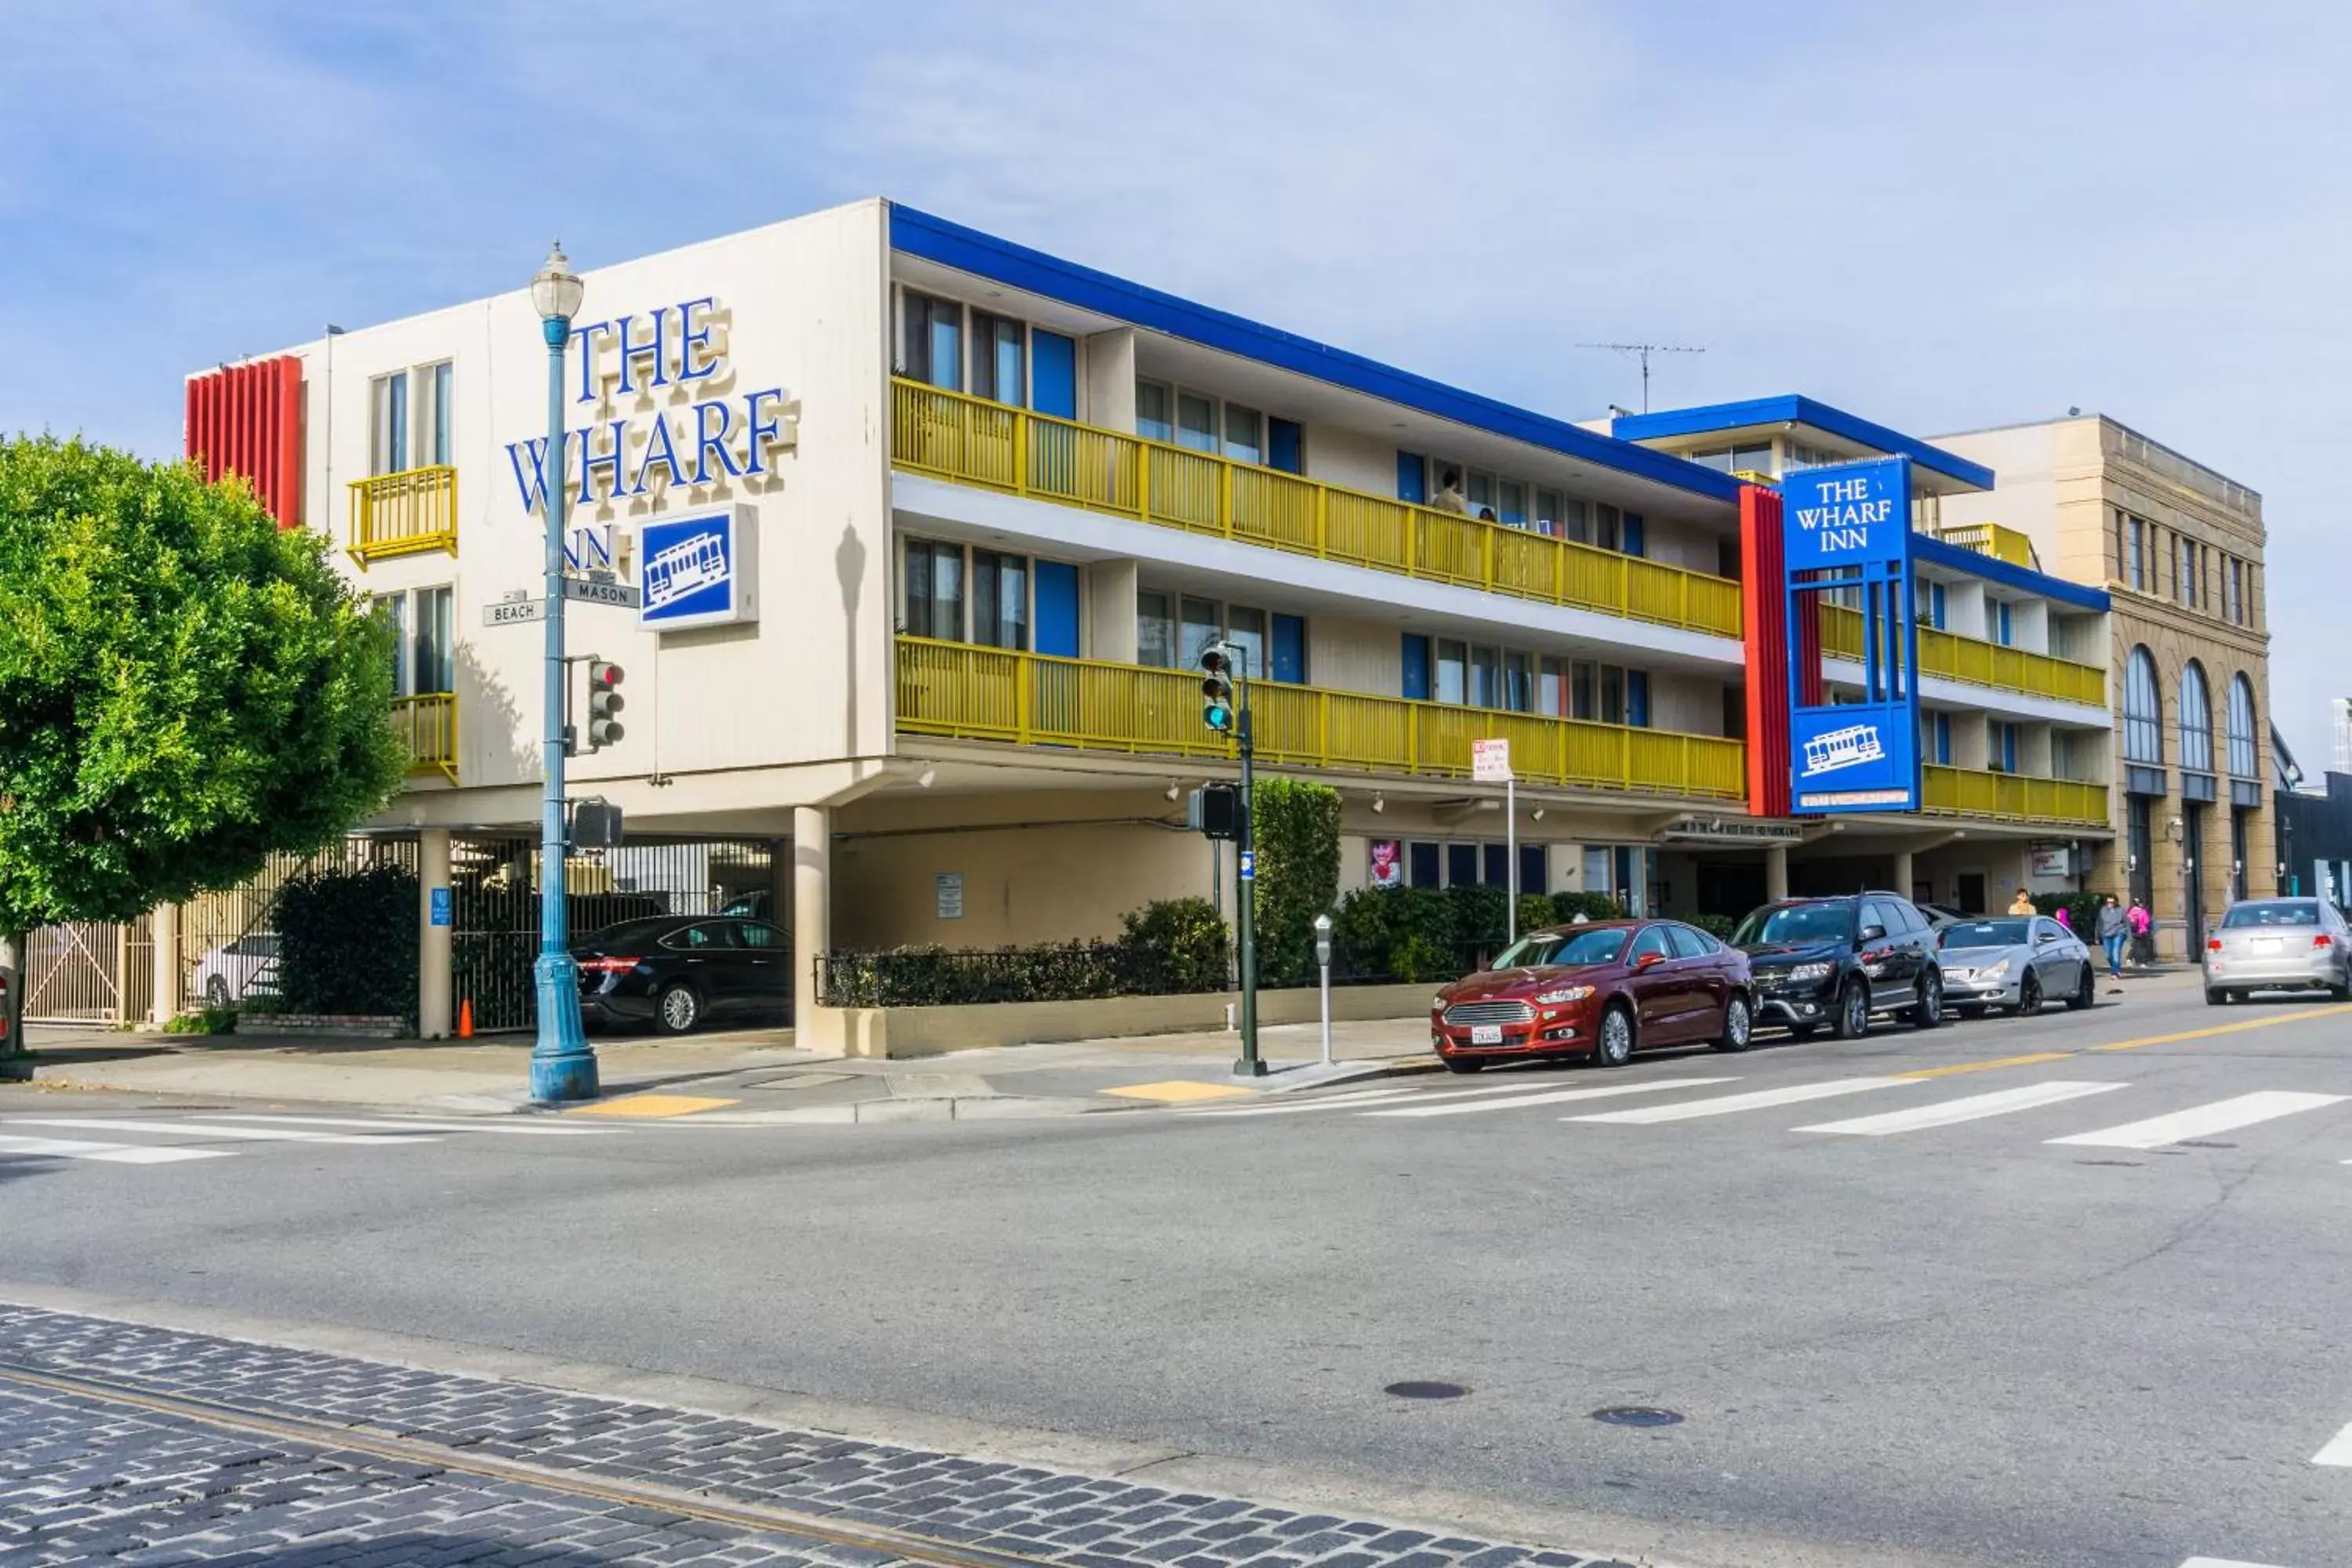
(1847, 529)
(698, 571)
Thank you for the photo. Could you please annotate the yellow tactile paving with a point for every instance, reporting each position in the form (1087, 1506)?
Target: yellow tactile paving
(652, 1105)
(1176, 1091)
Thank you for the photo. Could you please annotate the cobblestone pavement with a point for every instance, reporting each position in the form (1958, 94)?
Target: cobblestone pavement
(88, 1478)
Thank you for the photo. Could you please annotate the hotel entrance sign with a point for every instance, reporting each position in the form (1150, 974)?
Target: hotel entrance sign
(1846, 535)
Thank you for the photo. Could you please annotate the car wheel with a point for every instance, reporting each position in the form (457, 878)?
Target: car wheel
(1614, 1048)
(1927, 1013)
(2086, 989)
(2216, 997)
(2342, 990)
(2029, 996)
(1852, 1012)
(677, 1009)
(1739, 1027)
(216, 992)
(1462, 1064)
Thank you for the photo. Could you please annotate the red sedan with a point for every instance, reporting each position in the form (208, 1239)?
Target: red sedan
(1605, 990)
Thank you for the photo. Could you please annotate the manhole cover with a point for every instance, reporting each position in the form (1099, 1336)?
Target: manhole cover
(1637, 1416)
(1418, 1390)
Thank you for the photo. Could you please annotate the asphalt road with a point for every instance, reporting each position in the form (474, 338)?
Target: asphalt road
(1917, 1338)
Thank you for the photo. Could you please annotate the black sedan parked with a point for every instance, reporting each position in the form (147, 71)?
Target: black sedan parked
(675, 971)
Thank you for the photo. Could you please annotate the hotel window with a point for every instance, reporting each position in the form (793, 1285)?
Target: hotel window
(2241, 728)
(2135, 552)
(2143, 710)
(425, 640)
(1551, 689)
(1597, 692)
(2196, 720)
(1155, 631)
(2184, 570)
(388, 424)
(408, 419)
(1155, 418)
(935, 590)
(1000, 600)
(934, 340)
(1929, 606)
(1196, 422)
(1204, 623)
(1485, 678)
(997, 359)
(2233, 590)
(1519, 681)
(1453, 671)
(2003, 632)
(1244, 433)
(1939, 739)
(2001, 747)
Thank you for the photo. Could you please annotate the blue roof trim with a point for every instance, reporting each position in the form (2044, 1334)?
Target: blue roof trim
(1795, 408)
(969, 250)
(1928, 548)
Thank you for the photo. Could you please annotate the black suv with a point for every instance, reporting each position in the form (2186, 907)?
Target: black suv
(1838, 960)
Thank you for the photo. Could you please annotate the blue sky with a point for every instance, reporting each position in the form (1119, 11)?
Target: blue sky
(1940, 217)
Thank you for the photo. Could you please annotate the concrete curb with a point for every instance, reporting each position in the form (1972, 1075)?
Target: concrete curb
(1315, 1075)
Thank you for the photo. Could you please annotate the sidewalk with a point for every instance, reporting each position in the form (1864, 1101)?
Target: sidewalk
(739, 1078)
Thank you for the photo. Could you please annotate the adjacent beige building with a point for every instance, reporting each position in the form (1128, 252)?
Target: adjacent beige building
(2180, 549)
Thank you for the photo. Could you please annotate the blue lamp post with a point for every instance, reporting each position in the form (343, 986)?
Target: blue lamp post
(562, 1066)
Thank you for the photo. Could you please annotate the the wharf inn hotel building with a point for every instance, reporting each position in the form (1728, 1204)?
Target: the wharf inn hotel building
(960, 517)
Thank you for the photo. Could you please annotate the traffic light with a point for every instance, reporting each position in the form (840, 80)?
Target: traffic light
(604, 704)
(1217, 710)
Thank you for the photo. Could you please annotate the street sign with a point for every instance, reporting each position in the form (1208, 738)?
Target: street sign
(441, 910)
(1490, 762)
(596, 591)
(514, 612)
(1249, 866)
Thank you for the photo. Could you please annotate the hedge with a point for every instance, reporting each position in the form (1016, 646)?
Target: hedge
(1172, 947)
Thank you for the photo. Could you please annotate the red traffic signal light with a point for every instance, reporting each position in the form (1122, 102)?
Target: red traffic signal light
(604, 704)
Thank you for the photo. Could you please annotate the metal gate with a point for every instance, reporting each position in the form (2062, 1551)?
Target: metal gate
(90, 973)
(494, 895)
(228, 941)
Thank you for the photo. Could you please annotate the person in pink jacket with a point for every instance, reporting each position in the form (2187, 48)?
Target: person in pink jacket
(2141, 924)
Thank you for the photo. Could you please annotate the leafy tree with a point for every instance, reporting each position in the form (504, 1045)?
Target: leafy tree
(1294, 826)
(185, 688)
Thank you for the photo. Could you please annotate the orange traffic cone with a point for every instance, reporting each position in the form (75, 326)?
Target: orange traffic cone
(466, 1020)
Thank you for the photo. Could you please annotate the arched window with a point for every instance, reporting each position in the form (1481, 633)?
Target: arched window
(2196, 720)
(2241, 728)
(2143, 710)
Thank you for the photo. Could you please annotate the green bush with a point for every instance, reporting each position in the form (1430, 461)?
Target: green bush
(1176, 945)
(1417, 958)
(1295, 824)
(1719, 927)
(1535, 912)
(2082, 911)
(1404, 933)
(347, 940)
(1566, 906)
(1480, 912)
(202, 1021)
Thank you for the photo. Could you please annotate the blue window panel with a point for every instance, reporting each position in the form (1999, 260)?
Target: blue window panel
(1461, 865)
(2009, 748)
(1057, 609)
(2001, 631)
(1535, 870)
(1054, 374)
(1942, 748)
(1416, 667)
(1637, 699)
(1421, 865)
(1285, 446)
(1935, 605)
(1413, 477)
(1636, 541)
(1289, 659)
(1497, 868)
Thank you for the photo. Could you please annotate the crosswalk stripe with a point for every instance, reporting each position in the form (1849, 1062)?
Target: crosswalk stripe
(403, 1124)
(1358, 1097)
(1975, 1107)
(212, 1129)
(2338, 1450)
(2220, 1115)
(1757, 1100)
(114, 1154)
(1550, 1096)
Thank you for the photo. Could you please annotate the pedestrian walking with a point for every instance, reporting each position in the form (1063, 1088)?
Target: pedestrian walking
(2114, 927)
(2141, 922)
(2065, 919)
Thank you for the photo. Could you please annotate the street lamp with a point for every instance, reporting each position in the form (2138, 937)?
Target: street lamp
(562, 1066)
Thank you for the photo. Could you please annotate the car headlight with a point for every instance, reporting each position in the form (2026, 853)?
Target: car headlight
(1800, 972)
(1565, 993)
(1437, 1003)
(1994, 971)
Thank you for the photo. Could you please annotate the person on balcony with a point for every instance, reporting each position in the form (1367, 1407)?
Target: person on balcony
(1449, 494)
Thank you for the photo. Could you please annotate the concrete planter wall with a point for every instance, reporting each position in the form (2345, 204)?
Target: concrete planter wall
(347, 1025)
(894, 1032)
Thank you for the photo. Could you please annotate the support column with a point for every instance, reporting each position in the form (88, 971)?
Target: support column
(812, 911)
(1903, 873)
(163, 923)
(434, 985)
(1776, 872)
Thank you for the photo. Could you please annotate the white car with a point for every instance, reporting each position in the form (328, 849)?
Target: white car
(241, 967)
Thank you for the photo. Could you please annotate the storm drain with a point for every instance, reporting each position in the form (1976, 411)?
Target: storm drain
(1427, 1390)
(1637, 1416)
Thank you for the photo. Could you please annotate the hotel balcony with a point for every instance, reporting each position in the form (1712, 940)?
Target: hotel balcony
(1977, 662)
(2013, 798)
(413, 513)
(427, 727)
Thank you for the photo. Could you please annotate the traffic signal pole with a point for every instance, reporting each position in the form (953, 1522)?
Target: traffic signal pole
(1250, 1064)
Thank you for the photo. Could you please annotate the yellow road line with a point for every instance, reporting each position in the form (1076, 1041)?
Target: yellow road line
(2295, 1017)
(1177, 1090)
(1987, 1066)
(652, 1105)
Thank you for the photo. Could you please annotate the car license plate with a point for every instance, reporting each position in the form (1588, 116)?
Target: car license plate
(1486, 1034)
(2265, 944)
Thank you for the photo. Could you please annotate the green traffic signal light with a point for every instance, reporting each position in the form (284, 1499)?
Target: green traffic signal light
(1217, 716)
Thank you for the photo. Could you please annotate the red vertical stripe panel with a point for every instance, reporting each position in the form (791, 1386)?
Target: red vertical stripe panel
(246, 419)
(1763, 592)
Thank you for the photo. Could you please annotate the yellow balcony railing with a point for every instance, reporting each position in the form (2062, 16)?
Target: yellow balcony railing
(407, 513)
(1977, 661)
(1991, 538)
(989, 694)
(978, 442)
(1964, 792)
(427, 725)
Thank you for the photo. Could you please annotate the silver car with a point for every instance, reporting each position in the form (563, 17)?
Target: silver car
(2016, 961)
(2271, 945)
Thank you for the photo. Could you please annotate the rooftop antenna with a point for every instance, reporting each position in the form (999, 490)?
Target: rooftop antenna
(1643, 352)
